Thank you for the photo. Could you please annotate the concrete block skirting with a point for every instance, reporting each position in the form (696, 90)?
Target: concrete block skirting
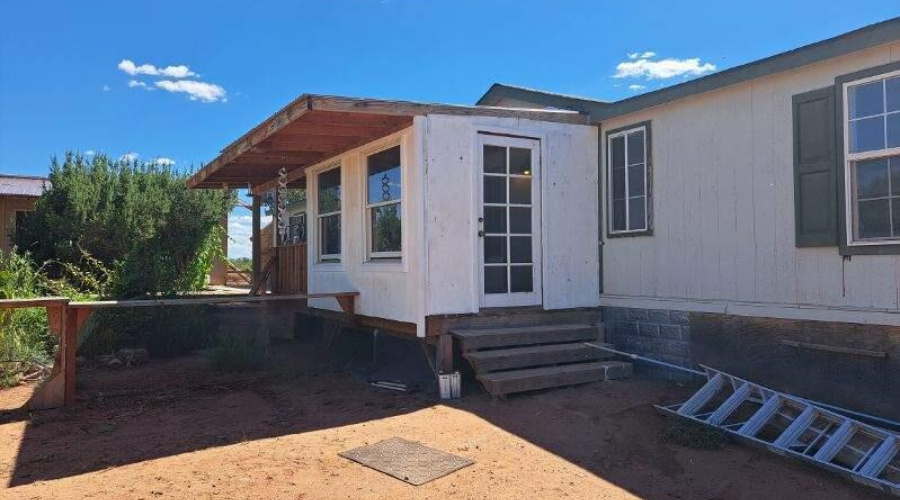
(856, 366)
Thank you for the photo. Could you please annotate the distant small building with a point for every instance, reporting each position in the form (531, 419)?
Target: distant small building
(17, 196)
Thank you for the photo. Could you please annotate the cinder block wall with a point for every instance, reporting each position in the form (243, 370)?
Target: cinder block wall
(754, 348)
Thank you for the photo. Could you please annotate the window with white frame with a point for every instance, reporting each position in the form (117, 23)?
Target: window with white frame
(383, 208)
(872, 155)
(627, 174)
(329, 215)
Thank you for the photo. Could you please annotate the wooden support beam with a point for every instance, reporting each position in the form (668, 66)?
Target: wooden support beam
(256, 240)
(445, 354)
(348, 305)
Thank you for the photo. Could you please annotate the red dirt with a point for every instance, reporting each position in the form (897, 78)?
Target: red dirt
(174, 430)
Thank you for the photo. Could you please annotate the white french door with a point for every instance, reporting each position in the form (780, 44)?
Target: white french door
(509, 225)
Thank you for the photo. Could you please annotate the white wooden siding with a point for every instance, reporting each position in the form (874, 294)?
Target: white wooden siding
(723, 209)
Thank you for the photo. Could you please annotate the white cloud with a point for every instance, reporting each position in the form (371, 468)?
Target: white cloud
(90, 152)
(137, 83)
(196, 91)
(639, 55)
(635, 86)
(164, 162)
(106, 88)
(643, 66)
(129, 157)
(240, 228)
(181, 71)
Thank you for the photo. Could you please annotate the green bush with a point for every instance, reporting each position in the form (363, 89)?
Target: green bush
(25, 340)
(138, 221)
(235, 353)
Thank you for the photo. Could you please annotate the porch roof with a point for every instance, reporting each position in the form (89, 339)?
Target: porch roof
(314, 128)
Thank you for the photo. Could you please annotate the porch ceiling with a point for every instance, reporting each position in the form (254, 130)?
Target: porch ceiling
(315, 128)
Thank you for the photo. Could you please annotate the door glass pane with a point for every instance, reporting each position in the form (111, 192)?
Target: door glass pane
(619, 215)
(618, 183)
(636, 213)
(892, 87)
(520, 190)
(618, 151)
(636, 147)
(865, 100)
(636, 180)
(519, 220)
(519, 161)
(521, 279)
(874, 219)
(495, 159)
(867, 134)
(893, 130)
(495, 249)
(495, 220)
(872, 178)
(386, 228)
(520, 249)
(384, 176)
(495, 279)
(494, 189)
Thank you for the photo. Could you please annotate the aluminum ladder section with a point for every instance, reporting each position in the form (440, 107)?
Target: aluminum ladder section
(794, 428)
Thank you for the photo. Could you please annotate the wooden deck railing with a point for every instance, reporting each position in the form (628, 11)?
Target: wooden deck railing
(290, 272)
(66, 319)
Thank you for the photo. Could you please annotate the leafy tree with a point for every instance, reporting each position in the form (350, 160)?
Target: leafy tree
(139, 221)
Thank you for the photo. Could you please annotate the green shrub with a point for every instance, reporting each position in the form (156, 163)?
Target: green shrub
(25, 340)
(235, 353)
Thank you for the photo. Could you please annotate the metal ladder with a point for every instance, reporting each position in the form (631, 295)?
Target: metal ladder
(792, 427)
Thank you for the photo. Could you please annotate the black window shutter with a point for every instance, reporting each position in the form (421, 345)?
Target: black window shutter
(815, 169)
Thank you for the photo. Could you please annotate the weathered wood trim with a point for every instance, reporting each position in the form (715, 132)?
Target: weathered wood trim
(389, 326)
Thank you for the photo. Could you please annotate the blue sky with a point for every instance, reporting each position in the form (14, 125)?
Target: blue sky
(218, 67)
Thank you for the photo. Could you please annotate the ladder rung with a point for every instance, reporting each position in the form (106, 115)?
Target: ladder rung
(730, 404)
(793, 431)
(882, 456)
(837, 441)
(759, 419)
(702, 396)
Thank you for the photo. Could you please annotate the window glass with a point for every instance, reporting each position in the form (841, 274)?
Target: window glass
(495, 250)
(330, 191)
(872, 178)
(520, 279)
(618, 152)
(892, 91)
(893, 130)
(636, 219)
(386, 228)
(519, 220)
(866, 99)
(895, 176)
(520, 249)
(330, 228)
(619, 215)
(636, 147)
(384, 176)
(867, 134)
(495, 220)
(874, 219)
(636, 180)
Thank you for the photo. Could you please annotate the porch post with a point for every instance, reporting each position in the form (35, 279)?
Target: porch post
(256, 240)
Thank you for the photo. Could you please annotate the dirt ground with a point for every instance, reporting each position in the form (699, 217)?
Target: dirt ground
(172, 429)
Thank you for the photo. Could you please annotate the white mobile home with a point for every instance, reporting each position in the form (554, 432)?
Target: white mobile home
(747, 219)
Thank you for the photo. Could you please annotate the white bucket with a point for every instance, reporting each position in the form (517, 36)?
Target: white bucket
(450, 386)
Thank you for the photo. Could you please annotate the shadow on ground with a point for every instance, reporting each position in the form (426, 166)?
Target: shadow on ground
(608, 430)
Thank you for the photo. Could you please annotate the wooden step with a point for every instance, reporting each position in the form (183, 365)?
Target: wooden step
(541, 355)
(503, 383)
(485, 338)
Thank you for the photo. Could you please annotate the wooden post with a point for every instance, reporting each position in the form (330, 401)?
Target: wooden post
(256, 240)
(445, 354)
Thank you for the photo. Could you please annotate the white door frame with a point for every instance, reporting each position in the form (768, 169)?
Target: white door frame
(510, 299)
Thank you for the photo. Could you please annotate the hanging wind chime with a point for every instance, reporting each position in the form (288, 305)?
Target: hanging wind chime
(281, 206)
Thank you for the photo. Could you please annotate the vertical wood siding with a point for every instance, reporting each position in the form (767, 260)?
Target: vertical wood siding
(724, 205)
